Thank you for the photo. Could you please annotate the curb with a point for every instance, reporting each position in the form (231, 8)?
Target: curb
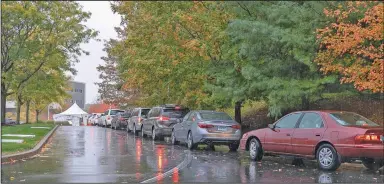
(27, 154)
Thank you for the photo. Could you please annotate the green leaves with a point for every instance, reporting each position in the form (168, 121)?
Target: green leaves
(212, 54)
(40, 38)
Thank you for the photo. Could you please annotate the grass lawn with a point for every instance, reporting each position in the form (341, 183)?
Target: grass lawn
(29, 143)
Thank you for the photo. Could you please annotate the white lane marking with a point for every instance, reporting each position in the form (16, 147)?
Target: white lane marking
(13, 140)
(42, 127)
(182, 165)
(17, 135)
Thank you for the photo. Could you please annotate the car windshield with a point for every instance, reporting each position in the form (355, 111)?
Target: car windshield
(351, 119)
(175, 113)
(114, 112)
(215, 116)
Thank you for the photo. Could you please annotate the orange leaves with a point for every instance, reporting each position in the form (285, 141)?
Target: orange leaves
(354, 48)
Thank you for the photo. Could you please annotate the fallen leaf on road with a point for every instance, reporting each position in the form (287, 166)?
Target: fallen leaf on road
(12, 178)
(301, 170)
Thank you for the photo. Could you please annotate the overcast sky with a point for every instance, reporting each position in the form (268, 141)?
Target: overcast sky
(104, 21)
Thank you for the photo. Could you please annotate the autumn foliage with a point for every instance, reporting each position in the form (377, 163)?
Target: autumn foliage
(354, 48)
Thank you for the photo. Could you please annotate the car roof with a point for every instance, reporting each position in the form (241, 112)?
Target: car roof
(208, 111)
(323, 111)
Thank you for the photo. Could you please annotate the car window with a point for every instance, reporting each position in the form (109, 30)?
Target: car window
(192, 117)
(126, 115)
(115, 112)
(215, 116)
(174, 113)
(135, 112)
(156, 112)
(351, 119)
(187, 116)
(152, 112)
(311, 120)
(144, 112)
(288, 121)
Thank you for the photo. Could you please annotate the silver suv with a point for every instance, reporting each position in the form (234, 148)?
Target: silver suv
(135, 121)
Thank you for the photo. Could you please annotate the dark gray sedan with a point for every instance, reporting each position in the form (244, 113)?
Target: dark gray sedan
(161, 120)
(207, 127)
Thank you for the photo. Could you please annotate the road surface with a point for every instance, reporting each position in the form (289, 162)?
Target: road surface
(100, 155)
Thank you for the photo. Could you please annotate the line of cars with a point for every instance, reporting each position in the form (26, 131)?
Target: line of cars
(329, 137)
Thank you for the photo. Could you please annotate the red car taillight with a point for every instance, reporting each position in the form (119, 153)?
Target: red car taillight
(121, 119)
(140, 119)
(236, 126)
(108, 117)
(203, 125)
(367, 139)
(163, 118)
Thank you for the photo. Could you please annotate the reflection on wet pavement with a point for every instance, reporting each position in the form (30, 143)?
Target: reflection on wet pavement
(94, 155)
(100, 155)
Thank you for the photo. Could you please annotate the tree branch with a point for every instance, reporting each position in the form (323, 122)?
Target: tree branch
(244, 7)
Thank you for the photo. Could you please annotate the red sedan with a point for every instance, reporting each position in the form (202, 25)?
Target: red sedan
(331, 137)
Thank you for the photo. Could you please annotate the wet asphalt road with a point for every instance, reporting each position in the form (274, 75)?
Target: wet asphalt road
(100, 155)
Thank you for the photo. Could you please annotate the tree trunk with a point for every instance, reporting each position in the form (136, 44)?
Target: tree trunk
(27, 112)
(3, 102)
(238, 111)
(37, 116)
(18, 109)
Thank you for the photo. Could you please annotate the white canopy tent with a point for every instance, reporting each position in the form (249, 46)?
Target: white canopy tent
(73, 115)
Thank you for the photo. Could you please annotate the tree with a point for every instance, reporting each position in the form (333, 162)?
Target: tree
(165, 56)
(111, 88)
(45, 88)
(351, 45)
(270, 56)
(35, 32)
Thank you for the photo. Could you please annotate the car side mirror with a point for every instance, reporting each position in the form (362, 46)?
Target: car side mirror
(271, 126)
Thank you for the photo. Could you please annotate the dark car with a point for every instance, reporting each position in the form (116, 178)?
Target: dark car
(161, 120)
(9, 121)
(135, 121)
(120, 120)
(207, 127)
(330, 137)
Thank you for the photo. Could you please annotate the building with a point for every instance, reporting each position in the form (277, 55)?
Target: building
(77, 93)
(10, 106)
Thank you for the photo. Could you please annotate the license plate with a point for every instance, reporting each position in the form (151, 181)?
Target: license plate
(222, 128)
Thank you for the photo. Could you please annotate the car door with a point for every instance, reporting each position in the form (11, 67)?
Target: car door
(279, 138)
(187, 125)
(146, 121)
(308, 133)
(178, 128)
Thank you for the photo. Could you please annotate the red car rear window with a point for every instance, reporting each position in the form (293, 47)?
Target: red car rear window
(351, 119)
